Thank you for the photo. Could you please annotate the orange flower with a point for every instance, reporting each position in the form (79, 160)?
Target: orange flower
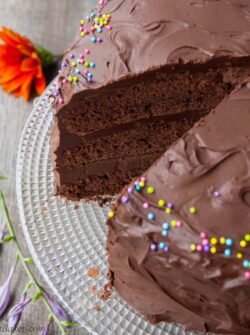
(20, 65)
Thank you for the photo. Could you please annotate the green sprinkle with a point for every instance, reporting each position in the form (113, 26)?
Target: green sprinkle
(150, 190)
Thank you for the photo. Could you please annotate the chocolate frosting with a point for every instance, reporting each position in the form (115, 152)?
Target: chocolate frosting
(145, 34)
(197, 273)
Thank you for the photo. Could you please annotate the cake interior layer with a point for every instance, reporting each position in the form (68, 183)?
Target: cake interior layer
(111, 135)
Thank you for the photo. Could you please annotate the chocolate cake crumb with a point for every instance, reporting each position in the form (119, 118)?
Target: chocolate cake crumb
(93, 272)
(106, 292)
(92, 289)
(96, 309)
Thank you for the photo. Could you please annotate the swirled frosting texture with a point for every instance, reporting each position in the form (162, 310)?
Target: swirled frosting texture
(207, 170)
(147, 34)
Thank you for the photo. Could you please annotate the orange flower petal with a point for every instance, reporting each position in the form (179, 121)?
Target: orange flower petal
(16, 82)
(26, 88)
(9, 74)
(29, 64)
(40, 85)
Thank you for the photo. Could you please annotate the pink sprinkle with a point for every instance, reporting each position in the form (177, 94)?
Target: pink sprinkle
(61, 101)
(87, 51)
(92, 28)
(81, 29)
(145, 205)
(179, 224)
(88, 17)
(101, 2)
(86, 31)
(81, 56)
(199, 247)
(203, 235)
(143, 178)
(86, 71)
(109, 27)
(101, 25)
(136, 182)
(205, 242)
(247, 275)
(64, 81)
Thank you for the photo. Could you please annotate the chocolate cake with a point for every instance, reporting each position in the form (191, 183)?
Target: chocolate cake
(138, 75)
(179, 236)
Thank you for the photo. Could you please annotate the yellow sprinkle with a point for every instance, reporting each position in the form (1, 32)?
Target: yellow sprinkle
(173, 223)
(161, 203)
(83, 33)
(105, 22)
(108, 16)
(213, 250)
(243, 244)
(247, 237)
(111, 214)
(239, 255)
(70, 79)
(75, 78)
(192, 210)
(82, 22)
(193, 247)
(73, 64)
(95, 26)
(222, 240)
(150, 190)
(141, 184)
(168, 210)
(214, 240)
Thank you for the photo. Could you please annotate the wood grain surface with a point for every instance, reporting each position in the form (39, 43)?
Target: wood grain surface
(52, 24)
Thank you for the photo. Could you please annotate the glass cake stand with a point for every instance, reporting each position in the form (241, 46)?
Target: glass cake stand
(66, 239)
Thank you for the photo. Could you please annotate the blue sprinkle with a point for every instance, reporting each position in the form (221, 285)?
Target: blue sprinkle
(151, 216)
(138, 188)
(92, 15)
(92, 65)
(162, 245)
(90, 75)
(99, 29)
(246, 264)
(164, 233)
(229, 242)
(165, 226)
(93, 39)
(228, 252)
(77, 71)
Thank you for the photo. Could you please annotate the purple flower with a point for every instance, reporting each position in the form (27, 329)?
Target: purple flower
(15, 313)
(59, 312)
(5, 292)
(45, 330)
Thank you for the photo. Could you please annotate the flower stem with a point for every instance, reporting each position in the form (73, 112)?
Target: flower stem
(19, 256)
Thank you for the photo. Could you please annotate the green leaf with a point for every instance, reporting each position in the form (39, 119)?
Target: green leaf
(37, 296)
(45, 56)
(28, 260)
(67, 324)
(8, 238)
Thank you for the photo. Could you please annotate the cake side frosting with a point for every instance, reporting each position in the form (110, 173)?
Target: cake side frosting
(122, 38)
(179, 237)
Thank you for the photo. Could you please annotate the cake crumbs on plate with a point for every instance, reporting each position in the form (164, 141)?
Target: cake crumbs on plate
(96, 309)
(93, 272)
(106, 292)
(92, 289)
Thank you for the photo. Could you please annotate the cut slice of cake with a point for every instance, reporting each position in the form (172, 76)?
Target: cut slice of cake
(179, 236)
(138, 75)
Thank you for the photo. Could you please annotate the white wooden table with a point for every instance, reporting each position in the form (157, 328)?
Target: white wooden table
(52, 24)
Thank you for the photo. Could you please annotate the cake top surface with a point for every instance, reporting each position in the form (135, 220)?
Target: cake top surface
(121, 38)
(186, 223)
